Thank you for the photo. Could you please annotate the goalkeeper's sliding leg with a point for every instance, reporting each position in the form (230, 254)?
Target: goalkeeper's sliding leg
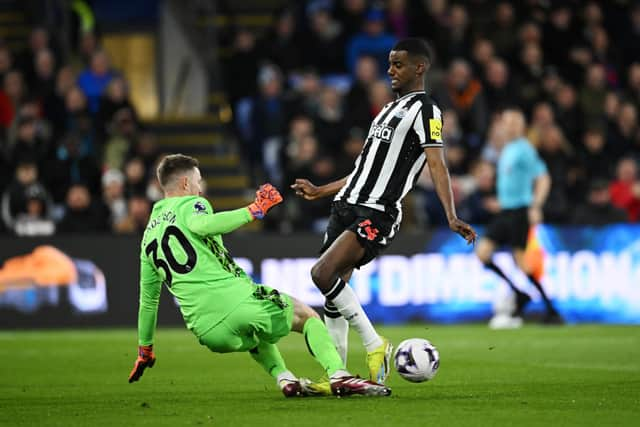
(258, 323)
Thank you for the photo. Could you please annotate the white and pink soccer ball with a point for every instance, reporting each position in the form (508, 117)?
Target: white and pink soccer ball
(417, 360)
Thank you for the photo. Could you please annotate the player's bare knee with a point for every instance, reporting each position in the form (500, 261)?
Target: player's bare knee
(313, 314)
(301, 313)
(321, 274)
(308, 313)
(302, 310)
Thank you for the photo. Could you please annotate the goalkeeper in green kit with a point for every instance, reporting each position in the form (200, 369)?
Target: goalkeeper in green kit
(182, 247)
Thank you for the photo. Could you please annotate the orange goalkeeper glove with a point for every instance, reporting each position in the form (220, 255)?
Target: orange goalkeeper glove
(267, 197)
(145, 359)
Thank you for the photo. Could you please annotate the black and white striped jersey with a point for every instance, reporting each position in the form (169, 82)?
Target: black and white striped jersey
(393, 155)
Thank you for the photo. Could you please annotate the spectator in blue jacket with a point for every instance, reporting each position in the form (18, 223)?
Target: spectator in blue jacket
(373, 41)
(94, 80)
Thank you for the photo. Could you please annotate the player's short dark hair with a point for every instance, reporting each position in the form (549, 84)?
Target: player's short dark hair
(173, 164)
(416, 47)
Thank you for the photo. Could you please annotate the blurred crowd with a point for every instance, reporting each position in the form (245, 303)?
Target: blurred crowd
(73, 156)
(305, 93)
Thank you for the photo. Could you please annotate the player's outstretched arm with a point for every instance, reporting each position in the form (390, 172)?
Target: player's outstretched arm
(305, 189)
(150, 286)
(206, 223)
(442, 183)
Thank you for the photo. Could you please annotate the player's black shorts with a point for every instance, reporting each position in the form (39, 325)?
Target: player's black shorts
(374, 229)
(510, 227)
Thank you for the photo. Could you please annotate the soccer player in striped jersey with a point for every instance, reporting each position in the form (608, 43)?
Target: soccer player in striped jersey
(366, 212)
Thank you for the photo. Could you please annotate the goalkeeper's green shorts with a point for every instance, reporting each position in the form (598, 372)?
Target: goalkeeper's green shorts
(265, 316)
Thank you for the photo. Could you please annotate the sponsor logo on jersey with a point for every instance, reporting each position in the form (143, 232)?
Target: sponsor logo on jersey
(435, 129)
(383, 132)
(401, 113)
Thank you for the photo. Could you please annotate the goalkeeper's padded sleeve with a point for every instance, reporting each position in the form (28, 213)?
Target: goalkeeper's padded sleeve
(150, 287)
(219, 223)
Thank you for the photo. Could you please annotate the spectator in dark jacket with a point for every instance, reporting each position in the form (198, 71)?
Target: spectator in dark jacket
(325, 41)
(45, 74)
(594, 162)
(498, 90)
(530, 74)
(621, 138)
(359, 112)
(559, 34)
(463, 93)
(330, 121)
(268, 119)
(282, 45)
(481, 204)
(28, 145)
(632, 93)
(24, 187)
(54, 104)
(242, 67)
(455, 41)
(567, 113)
(598, 209)
(631, 40)
(12, 95)
(72, 165)
(6, 61)
(557, 155)
(593, 93)
(39, 40)
(114, 99)
(503, 29)
(82, 213)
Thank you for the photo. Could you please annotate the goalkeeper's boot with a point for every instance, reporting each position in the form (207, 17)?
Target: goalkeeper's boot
(304, 387)
(311, 388)
(379, 362)
(347, 386)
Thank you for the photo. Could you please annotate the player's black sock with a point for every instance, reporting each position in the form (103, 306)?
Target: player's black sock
(543, 294)
(491, 266)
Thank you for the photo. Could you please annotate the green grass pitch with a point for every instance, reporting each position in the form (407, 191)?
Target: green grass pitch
(578, 376)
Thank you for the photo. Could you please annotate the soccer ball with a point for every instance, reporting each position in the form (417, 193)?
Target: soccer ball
(416, 360)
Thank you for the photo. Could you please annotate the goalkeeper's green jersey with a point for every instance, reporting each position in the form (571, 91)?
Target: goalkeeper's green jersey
(182, 248)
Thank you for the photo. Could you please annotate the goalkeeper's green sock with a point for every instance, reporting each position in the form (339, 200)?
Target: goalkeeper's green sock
(321, 346)
(268, 356)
